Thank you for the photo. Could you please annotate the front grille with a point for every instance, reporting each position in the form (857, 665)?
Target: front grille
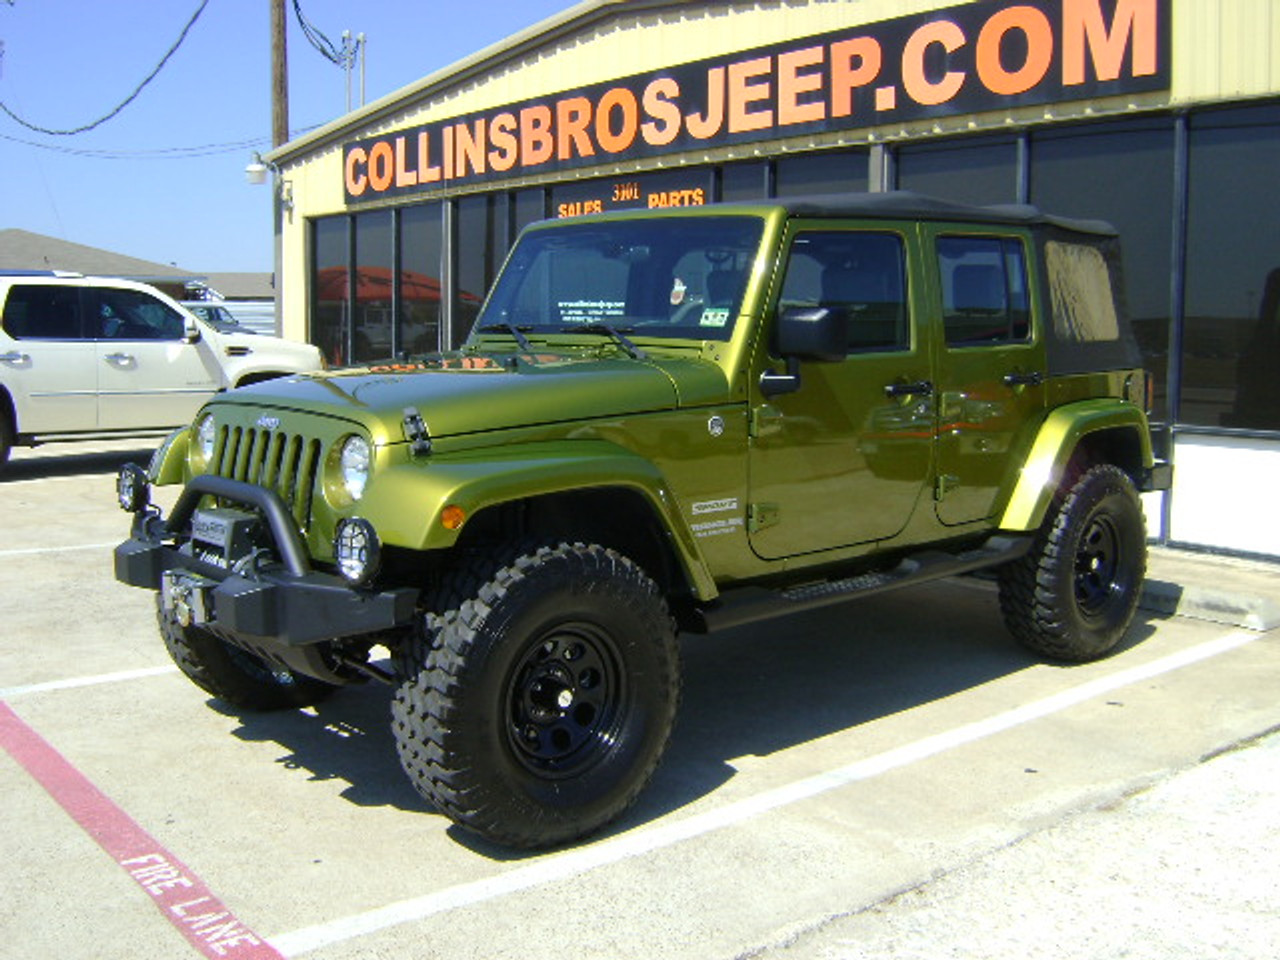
(283, 462)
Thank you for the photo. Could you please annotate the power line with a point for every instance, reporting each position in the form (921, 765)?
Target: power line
(127, 100)
(319, 41)
(156, 153)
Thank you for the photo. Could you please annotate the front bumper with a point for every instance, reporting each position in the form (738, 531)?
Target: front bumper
(270, 607)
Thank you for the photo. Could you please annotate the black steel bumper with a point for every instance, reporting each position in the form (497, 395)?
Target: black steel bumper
(270, 607)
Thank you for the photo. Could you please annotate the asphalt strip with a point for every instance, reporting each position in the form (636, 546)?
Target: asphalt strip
(573, 863)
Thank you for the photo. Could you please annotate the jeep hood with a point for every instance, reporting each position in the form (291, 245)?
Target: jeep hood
(467, 393)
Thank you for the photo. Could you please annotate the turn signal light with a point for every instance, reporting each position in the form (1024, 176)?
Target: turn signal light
(453, 517)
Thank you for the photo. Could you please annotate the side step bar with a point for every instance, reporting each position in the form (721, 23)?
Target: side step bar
(746, 605)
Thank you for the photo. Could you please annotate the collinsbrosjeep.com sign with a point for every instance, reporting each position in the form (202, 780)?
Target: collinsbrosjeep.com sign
(960, 60)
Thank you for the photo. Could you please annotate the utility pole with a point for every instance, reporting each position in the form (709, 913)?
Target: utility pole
(279, 76)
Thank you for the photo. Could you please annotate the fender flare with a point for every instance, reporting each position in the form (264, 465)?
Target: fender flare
(407, 500)
(1055, 443)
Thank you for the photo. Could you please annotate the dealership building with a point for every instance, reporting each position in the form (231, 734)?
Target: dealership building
(1160, 116)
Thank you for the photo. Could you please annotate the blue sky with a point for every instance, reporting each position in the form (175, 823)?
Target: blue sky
(133, 185)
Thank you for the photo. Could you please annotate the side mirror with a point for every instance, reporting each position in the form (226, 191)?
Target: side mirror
(191, 333)
(805, 333)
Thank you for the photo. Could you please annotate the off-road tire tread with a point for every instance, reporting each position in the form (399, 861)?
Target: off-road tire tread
(211, 665)
(1032, 588)
(425, 708)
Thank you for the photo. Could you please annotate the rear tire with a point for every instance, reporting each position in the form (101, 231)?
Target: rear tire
(1074, 594)
(236, 676)
(541, 705)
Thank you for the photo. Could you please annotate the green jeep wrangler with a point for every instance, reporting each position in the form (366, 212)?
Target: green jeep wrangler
(662, 421)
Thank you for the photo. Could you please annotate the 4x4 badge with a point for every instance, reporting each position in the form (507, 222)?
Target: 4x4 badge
(268, 423)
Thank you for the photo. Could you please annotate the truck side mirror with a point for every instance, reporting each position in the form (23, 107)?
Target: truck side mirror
(191, 332)
(805, 333)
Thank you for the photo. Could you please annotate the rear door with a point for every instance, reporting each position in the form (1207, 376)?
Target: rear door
(46, 361)
(149, 375)
(844, 459)
(991, 367)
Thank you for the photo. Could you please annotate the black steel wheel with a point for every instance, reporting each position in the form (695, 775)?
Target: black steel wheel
(541, 706)
(236, 676)
(1073, 596)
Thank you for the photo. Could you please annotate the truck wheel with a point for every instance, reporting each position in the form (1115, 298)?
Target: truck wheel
(541, 705)
(236, 676)
(1074, 594)
(6, 436)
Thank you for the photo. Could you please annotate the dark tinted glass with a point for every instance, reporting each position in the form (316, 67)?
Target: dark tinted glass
(1122, 173)
(1231, 344)
(979, 171)
(42, 312)
(421, 270)
(329, 283)
(832, 171)
(373, 287)
(482, 226)
(984, 290)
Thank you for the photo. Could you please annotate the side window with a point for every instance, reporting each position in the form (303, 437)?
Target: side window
(132, 315)
(40, 312)
(1084, 310)
(861, 274)
(984, 290)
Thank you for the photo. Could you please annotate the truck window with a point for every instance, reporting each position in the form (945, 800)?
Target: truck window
(984, 290)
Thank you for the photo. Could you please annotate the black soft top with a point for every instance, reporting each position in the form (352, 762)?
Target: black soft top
(903, 204)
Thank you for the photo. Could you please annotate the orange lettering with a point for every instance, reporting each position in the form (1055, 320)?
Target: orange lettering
(356, 179)
(622, 99)
(792, 83)
(708, 125)
(426, 172)
(1039, 35)
(657, 104)
(469, 147)
(404, 176)
(382, 164)
(918, 86)
(1083, 26)
(845, 76)
(573, 116)
(502, 136)
(536, 143)
(743, 93)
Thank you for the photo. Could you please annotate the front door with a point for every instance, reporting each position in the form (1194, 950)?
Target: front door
(149, 375)
(844, 459)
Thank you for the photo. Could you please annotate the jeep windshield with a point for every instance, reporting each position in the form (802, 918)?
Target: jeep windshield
(673, 277)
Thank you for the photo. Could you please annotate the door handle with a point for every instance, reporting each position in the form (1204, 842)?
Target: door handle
(1033, 379)
(13, 356)
(922, 388)
(118, 357)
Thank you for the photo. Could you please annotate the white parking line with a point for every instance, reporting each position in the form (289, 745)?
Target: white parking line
(8, 693)
(646, 840)
(32, 551)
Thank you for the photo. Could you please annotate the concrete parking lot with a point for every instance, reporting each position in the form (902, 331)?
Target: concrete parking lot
(893, 778)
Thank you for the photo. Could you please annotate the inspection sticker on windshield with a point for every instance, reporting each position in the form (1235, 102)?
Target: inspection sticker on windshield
(714, 317)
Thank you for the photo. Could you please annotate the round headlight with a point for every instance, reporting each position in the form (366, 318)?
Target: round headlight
(353, 465)
(205, 435)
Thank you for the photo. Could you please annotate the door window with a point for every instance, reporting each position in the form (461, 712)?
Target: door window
(984, 290)
(41, 312)
(859, 274)
(132, 315)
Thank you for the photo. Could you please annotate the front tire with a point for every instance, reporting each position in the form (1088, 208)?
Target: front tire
(236, 676)
(541, 706)
(1073, 596)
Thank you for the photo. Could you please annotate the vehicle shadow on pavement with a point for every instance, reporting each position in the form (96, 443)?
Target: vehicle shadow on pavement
(73, 464)
(749, 692)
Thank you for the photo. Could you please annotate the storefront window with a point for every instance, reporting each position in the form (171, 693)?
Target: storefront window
(373, 287)
(982, 170)
(1231, 340)
(421, 269)
(531, 206)
(1121, 173)
(330, 322)
(481, 245)
(830, 171)
(744, 181)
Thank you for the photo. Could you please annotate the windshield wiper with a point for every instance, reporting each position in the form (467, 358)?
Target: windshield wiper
(603, 328)
(511, 328)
